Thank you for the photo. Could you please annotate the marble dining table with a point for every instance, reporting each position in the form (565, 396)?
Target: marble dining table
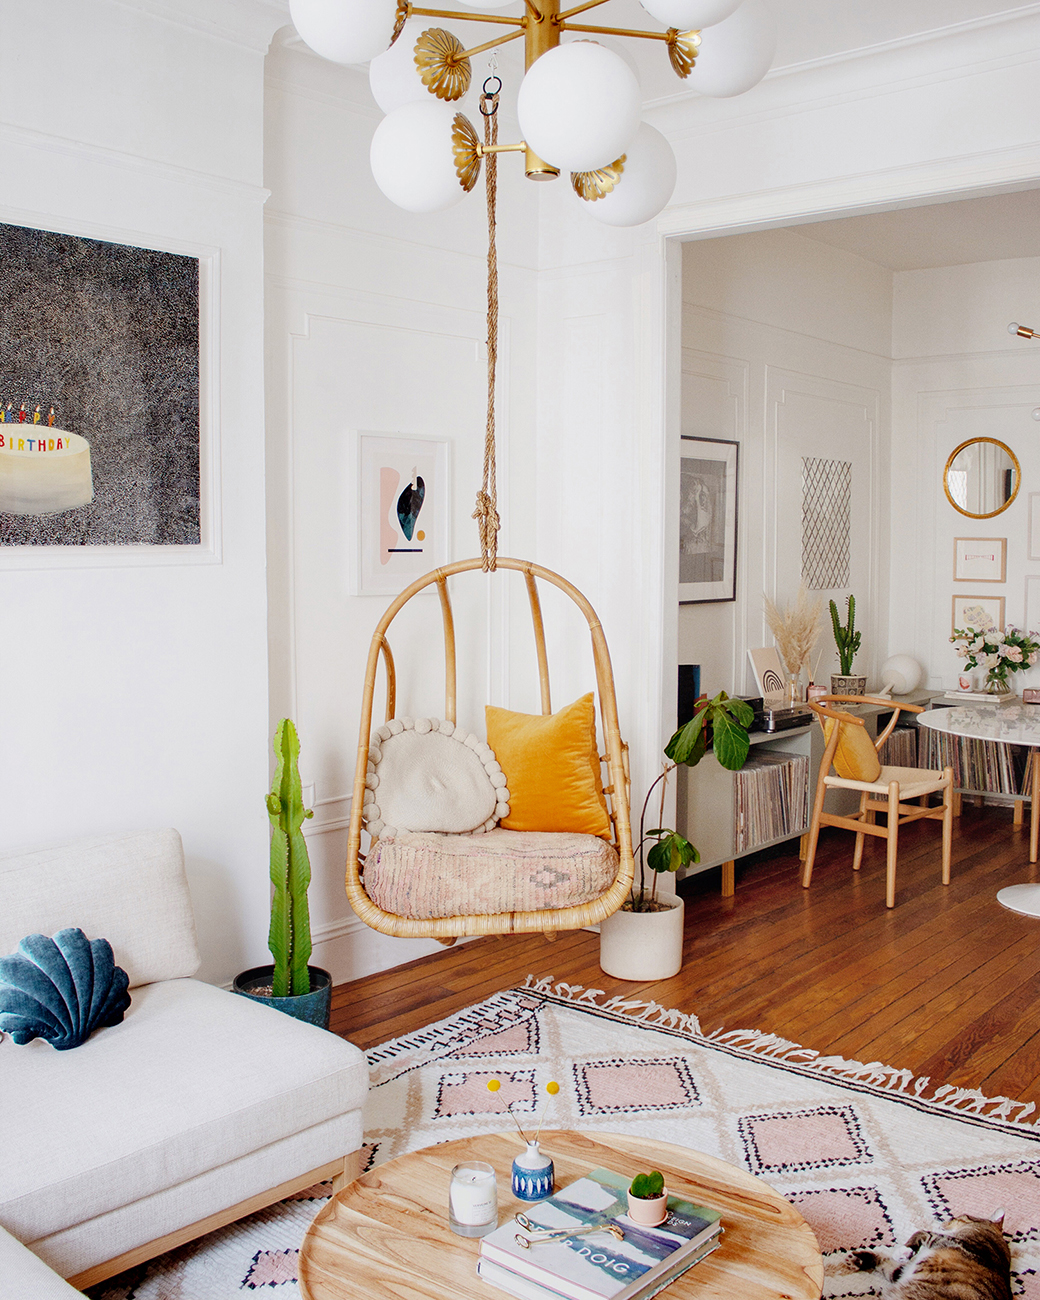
(1007, 724)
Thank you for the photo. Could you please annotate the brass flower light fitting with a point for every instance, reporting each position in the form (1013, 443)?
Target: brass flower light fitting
(578, 106)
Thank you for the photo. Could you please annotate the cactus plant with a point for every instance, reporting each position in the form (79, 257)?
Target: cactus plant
(290, 936)
(845, 637)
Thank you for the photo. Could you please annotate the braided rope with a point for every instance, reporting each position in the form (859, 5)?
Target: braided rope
(486, 513)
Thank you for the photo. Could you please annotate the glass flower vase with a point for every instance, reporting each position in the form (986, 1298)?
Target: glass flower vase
(997, 684)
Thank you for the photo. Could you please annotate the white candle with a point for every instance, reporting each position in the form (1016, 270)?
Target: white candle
(474, 1196)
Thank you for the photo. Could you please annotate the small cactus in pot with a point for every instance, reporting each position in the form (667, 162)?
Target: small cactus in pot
(847, 640)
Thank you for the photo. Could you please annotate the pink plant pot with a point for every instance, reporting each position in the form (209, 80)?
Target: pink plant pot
(648, 1211)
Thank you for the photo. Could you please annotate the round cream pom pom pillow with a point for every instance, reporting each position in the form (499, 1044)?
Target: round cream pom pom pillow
(424, 775)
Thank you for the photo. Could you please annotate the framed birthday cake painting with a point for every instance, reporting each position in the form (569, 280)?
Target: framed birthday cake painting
(99, 393)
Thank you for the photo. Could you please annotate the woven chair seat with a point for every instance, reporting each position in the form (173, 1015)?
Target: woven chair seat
(427, 875)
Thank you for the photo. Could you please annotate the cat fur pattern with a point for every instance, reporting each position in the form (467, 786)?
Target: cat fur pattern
(968, 1259)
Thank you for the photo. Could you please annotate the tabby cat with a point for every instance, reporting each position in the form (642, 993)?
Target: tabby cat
(968, 1260)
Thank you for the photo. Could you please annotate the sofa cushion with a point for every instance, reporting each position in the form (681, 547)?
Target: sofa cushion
(129, 889)
(502, 871)
(193, 1078)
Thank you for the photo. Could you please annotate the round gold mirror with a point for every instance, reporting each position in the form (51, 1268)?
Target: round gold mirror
(982, 478)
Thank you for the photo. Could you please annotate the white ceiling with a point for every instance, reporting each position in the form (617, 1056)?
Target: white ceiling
(989, 229)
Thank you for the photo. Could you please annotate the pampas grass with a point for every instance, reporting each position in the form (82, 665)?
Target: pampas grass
(796, 629)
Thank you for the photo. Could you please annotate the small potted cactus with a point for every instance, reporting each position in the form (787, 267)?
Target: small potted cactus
(290, 984)
(847, 640)
(648, 1199)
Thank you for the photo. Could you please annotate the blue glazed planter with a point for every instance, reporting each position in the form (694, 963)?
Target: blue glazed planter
(313, 1007)
(533, 1175)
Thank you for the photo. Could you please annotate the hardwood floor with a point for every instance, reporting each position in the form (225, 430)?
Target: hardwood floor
(945, 984)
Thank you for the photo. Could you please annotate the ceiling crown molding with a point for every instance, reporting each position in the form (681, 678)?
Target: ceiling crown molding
(247, 23)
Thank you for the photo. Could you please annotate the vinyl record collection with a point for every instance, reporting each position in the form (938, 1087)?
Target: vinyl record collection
(771, 799)
(986, 765)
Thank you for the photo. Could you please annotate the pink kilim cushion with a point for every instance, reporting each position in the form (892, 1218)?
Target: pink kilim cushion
(428, 875)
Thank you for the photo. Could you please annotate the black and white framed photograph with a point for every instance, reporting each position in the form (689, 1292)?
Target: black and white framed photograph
(707, 520)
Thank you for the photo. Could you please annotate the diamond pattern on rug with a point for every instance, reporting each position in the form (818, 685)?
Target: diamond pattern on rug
(609, 1087)
(272, 1268)
(985, 1189)
(467, 1094)
(826, 1137)
(1026, 1286)
(846, 1218)
(520, 1039)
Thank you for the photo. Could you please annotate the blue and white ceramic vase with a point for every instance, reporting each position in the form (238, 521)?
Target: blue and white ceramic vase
(533, 1175)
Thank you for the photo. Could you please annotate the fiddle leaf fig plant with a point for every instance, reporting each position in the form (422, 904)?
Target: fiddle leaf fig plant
(722, 720)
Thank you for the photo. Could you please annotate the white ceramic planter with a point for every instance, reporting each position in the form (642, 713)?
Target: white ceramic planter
(642, 945)
(650, 1212)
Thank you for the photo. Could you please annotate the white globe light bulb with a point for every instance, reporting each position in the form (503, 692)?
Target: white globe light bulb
(485, 4)
(345, 31)
(412, 159)
(393, 76)
(689, 15)
(646, 183)
(737, 53)
(579, 106)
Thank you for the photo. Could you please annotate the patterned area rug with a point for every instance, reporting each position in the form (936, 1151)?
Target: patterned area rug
(869, 1154)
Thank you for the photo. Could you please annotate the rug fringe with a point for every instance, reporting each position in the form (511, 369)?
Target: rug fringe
(758, 1044)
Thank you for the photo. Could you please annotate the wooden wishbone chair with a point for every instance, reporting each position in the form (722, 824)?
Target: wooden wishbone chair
(616, 787)
(882, 789)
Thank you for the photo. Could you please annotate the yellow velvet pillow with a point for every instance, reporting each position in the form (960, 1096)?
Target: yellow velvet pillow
(551, 764)
(855, 758)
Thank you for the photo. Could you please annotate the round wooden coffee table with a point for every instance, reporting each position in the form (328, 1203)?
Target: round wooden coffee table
(387, 1234)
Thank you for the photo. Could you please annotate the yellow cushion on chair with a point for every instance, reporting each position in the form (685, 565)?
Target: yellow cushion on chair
(551, 764)
(855, 758)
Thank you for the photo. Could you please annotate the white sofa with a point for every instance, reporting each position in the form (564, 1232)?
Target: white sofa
(200, 1107)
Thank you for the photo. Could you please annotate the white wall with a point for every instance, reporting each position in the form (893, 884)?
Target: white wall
(785, 350)
(376, 322)
(958, 375)
(136, 678)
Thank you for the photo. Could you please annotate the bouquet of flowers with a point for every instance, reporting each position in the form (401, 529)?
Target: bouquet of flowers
(998, 652)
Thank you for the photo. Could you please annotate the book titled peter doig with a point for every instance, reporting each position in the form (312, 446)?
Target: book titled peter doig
(597, 1266)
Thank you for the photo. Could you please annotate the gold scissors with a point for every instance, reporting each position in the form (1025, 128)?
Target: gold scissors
(546, 1234)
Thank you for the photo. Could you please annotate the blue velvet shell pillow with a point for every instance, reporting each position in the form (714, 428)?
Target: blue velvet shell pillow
(61, 989)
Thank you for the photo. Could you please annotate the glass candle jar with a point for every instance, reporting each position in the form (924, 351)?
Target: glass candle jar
(472, 1199)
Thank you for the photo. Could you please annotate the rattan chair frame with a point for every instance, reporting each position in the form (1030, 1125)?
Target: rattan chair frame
(617, 787)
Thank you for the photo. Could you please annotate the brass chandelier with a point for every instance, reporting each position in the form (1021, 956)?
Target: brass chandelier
(578, 104)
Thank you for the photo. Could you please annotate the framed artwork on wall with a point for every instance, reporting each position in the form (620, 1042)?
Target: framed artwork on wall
(707, 520)
(978, 611)
(979, 559)
(1032, 618)
(99, 393)
(403, 510)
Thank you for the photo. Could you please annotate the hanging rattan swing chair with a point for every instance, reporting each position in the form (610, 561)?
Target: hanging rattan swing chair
(463, 915)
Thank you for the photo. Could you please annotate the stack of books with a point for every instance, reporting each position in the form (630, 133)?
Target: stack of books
(581, 1264)
(982, 697)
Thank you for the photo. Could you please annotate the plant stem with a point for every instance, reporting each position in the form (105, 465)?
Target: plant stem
(642, 835)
